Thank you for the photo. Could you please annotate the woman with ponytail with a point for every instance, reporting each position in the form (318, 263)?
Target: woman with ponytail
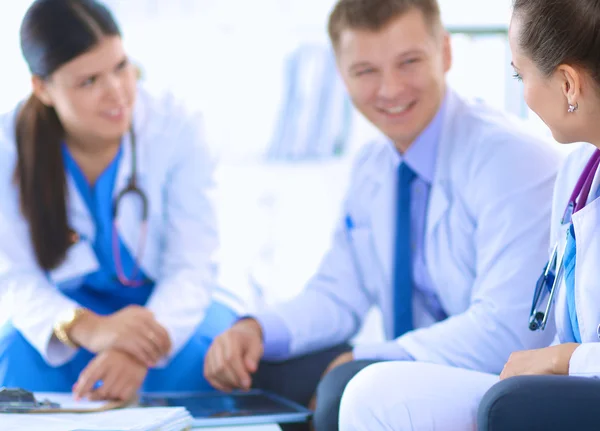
(107, 230)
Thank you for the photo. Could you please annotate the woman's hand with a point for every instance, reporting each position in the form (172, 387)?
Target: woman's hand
(120, 373)
(550, 360)
(132, 330)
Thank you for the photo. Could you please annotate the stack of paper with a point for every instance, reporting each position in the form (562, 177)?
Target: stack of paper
(131, 419)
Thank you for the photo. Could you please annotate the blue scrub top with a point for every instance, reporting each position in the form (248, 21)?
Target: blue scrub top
(101, 291)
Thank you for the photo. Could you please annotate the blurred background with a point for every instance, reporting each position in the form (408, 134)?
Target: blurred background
(276, 114)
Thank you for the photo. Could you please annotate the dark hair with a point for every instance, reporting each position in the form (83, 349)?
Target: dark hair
(53, 32)
(375, 14)
(560, 31)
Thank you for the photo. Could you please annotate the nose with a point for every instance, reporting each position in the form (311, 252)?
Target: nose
(391, 85)
(115, 88)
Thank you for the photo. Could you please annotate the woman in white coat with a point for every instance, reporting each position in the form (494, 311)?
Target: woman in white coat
(556, 53)
(107, 231)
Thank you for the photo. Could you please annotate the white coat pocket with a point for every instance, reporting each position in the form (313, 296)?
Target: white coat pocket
(363, 254)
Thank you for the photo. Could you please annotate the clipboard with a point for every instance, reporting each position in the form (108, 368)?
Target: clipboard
(21, 401)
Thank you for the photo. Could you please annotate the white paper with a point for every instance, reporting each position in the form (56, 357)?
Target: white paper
(131, 419)
(19, 422)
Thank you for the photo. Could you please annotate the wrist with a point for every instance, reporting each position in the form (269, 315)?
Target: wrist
(562, 358)
(64, 323)
(250, 324)
(83, 327)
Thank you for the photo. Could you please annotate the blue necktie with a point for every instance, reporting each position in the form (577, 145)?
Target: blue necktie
(569, 268)
(403, 281)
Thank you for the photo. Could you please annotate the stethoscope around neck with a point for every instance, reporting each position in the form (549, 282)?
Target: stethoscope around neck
(131, 188)
(553, 272)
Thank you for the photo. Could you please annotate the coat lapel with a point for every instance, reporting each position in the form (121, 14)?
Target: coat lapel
(439, 201)
(382, 215)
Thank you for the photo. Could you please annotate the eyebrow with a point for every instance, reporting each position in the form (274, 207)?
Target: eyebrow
(409, 53)
(95, 75)
(513, 65)
(360, 65)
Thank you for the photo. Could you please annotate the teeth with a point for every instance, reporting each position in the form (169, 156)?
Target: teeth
(114, 112)
(397, 109)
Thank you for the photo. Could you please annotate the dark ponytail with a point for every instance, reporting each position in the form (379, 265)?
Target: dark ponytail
(561, 32)
(53, 32)
(41, 180)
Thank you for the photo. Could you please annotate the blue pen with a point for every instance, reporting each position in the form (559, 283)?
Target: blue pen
(349, 222)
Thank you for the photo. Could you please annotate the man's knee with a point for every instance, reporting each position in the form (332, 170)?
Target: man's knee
(356, 407)
(329, 394)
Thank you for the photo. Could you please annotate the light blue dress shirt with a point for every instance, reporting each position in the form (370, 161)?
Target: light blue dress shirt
(421, 158)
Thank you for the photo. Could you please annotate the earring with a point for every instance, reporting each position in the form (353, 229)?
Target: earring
(573, 108)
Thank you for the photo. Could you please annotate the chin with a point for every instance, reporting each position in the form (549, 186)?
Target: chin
(562, 138)
(114, 134)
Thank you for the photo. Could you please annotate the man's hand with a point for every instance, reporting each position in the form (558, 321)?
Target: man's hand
(234, 356)
(132, 330)
(549, 360)
(121, 376)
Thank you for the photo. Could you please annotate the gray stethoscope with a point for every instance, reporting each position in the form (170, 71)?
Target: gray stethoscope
(131, 188)
(553, 272)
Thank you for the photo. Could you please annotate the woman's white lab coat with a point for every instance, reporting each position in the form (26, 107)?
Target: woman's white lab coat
(175, 171)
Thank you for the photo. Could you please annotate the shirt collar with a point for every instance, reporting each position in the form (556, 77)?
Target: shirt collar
(421, 156)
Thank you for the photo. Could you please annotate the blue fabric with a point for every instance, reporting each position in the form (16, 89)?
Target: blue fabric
(403, 279)
(569, 268)
(22, 366)
(101, 291)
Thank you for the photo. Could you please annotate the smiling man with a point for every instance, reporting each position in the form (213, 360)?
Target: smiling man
(444, 227)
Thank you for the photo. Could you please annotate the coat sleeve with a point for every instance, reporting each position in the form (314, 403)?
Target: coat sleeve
(32, 301)
(332, 306)
(508, 190)
(585, 361)
(187, 274)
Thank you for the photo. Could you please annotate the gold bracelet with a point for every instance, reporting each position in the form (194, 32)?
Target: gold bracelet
(64, 324)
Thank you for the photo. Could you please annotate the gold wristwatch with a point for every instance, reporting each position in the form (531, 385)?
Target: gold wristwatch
(64, 324)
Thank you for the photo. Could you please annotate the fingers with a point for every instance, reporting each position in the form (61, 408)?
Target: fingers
(139, 322)
(92, 374)
(218, 369)
(143, 351)
(112, 387)
(253, 356)
(121, 375)
(222, 376)
(234, 361)
(158, 338)
(162, 338)
(104, 391)
(210, 367)
(127, 392)
(138, 347)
